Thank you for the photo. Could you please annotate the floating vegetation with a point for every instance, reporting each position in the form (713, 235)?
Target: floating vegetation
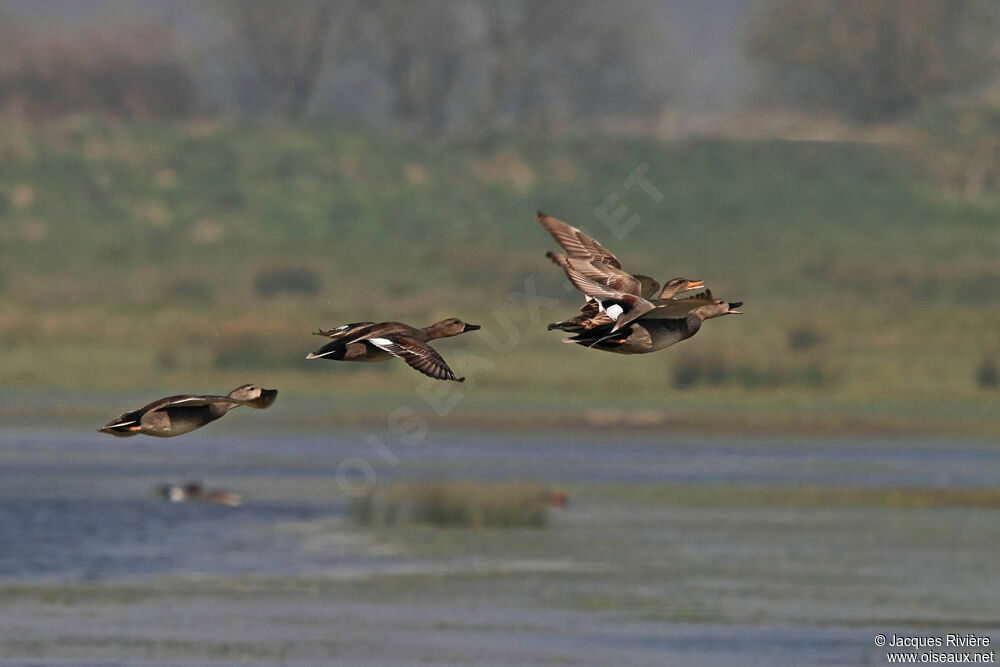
(459, 504)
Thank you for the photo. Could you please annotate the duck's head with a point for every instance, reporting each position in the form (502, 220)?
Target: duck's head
(256, 396)
(718, 308)
(450, 327)
(676, 286)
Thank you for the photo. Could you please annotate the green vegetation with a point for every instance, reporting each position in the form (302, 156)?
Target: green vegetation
(158, 256)
(466, 504)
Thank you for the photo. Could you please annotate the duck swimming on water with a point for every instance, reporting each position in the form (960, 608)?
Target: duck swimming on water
(176, 415)
(193, 491)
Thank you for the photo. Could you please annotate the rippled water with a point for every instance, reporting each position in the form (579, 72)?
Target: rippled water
(93, 564)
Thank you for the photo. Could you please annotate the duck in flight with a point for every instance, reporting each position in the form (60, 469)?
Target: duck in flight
(589, 260)
(651, 332)
(176, 415)
(371, 341)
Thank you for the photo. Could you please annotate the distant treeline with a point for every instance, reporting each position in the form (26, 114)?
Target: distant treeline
(437, 66)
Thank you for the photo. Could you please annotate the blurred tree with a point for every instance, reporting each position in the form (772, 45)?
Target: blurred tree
(873, 59)
(284, 43)
(575, 59)
(426, 45)
(128, 70)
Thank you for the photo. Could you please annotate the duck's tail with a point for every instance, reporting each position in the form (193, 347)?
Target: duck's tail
(124, 426)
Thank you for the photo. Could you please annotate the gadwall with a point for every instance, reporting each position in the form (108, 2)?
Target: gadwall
(371, 341)
(649, 334)
(590, 259)
(592, 314)
(624, 308)
(176, 415)
(193, 491)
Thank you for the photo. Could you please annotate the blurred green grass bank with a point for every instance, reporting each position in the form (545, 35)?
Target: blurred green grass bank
(158, 256)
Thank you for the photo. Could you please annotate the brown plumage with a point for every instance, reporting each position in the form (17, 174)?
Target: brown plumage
(646, 335)
(176, 415)
(588, 263)
(371, 341)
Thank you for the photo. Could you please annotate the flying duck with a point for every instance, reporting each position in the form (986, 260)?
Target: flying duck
(176, 415)
(649, 334)
(589, 259)
(370, 341)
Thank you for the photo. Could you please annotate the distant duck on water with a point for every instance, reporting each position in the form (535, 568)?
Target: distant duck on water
(194, 492)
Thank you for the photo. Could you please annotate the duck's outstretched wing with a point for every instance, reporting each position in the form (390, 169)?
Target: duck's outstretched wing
(418, 355)
(576, 243)
(199, 401)
(668, 309)
(345, 330)
(600, 273)
(340, 337)
(619, 306)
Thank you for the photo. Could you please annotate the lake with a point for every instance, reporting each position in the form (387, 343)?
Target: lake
(672, 550)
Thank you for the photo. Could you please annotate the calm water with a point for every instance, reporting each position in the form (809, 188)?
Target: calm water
(96, 568)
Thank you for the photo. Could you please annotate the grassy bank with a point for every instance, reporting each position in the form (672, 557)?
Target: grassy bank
(156, 257)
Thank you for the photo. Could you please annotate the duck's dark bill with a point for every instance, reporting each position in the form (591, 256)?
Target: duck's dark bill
(471, 327)
(733, 306)
(267, 397)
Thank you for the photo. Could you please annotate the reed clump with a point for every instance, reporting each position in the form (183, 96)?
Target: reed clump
(458, 504)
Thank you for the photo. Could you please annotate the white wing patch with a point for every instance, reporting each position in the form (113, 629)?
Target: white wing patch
(614, 311)
(383, 343)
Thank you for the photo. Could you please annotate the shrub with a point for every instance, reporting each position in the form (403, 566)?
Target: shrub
(803, 338)
(687, 373)
(987, 375)
(978, 288)
(695, 370)
(716, 371)
(463, 504)
(98, 72)
(301, 281)
(191, 290)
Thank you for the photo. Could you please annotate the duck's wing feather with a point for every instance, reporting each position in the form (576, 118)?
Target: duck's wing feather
(418, 355)
(679, 308)
(576, 243)
(197, 401)
(338, 333)
(601, 273)
(619, 306)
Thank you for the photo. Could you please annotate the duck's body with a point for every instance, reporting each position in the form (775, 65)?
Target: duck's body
(177, 415)
(651, 334)
(193, 491)
(381, 341)
(587, 260)
(594, 316)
